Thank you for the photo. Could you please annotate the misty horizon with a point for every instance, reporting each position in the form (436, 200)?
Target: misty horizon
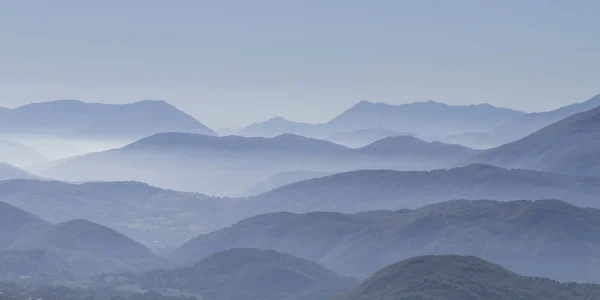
(227, 126)
(299, 150)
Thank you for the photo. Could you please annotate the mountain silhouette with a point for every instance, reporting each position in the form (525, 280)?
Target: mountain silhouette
(420, 118)
(526, 124)
(548, 238)
(8, 171)
(409, 146)
(384, 189)
(227, 166)
(278, 126)
(569, 146)
(76, 119)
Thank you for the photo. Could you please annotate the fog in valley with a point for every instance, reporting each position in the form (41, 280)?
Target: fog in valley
(297, 154)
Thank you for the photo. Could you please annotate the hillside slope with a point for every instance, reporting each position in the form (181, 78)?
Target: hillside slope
(16, 224)
(76, 119)
(246, 274)
(462, 277)
(384, 189)
(227, 166)
(569, 146)
(132, 208)
(91, 248)
(542, 238)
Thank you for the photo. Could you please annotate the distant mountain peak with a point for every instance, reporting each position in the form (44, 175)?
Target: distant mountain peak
(77, 119)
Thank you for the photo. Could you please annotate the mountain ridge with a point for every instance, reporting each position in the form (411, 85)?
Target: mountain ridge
(74, 119)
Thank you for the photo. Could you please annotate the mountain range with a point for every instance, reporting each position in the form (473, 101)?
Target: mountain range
(420, 118)
(32, 247)
(546, 238)
(228, 166)
(569, 146)
(162, 219)
(452, 277)
(477, 126)
(384, 189)
(132, 208)
(526, 124)
(74, 119)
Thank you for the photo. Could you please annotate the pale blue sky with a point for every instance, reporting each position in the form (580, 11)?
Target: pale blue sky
(230, 63)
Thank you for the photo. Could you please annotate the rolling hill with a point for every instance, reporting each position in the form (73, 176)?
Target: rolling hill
(91, 248)
(569, 146)
(132, 208)
(546, 238)
(384, 189)
(450, 277)
(16, 224)
(413, 148)
(245, 274)
(227, 166)
(79, 120)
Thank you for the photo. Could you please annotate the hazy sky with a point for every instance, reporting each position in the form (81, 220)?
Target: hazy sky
(230, 63)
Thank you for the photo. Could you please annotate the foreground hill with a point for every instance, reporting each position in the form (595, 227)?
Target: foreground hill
(244, 274)
(543, 238)
(16, 224)
(384, 189)
(462, 277)
(76, 119)
(132, 208)
(420, 118)
(569, 146)
(91, 248)
(230, 165)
